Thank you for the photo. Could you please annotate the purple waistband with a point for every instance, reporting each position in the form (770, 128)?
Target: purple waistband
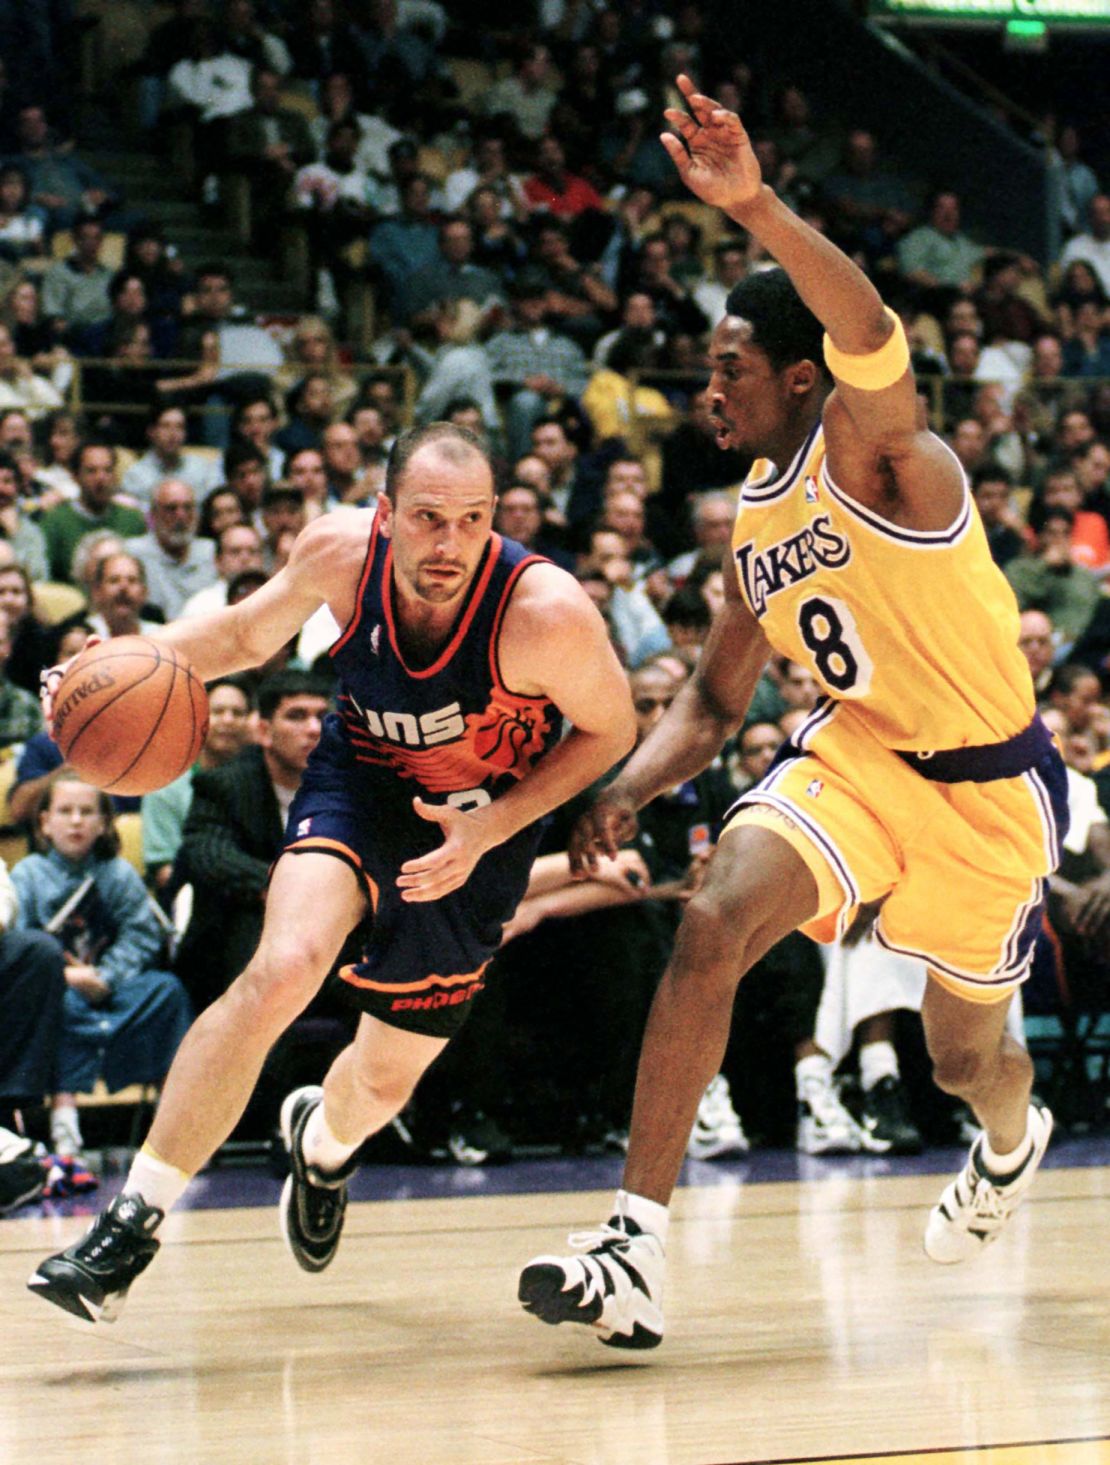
(988, 761)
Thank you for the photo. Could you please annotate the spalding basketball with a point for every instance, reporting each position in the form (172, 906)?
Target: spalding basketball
(130, 715)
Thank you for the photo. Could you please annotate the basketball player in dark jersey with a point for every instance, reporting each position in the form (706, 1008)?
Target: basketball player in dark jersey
(460, 655)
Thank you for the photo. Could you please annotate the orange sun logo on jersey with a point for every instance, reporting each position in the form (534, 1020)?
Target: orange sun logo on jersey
(509, 734)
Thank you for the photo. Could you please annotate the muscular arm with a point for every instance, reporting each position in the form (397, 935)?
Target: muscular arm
(329, 550)
(553, 644)
(708, 709)
(875, 439)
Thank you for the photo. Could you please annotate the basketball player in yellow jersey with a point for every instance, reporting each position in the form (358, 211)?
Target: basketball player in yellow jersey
(923, 779)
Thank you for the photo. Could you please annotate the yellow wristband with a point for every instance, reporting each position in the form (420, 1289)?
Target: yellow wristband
(879, 369)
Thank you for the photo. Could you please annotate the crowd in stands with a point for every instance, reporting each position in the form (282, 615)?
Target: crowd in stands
(536, 274)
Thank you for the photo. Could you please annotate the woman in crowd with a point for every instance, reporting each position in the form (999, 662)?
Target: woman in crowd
(31, 640)
(220, 510)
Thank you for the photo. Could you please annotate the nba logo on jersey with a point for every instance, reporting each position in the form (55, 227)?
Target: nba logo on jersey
(813, 493)
(376, 638)
(814, 787)
(699, 838)
(303, 828)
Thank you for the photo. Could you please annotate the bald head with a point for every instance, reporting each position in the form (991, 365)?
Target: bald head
(442, 450)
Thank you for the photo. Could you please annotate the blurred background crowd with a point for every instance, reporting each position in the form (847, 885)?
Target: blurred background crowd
(243, 243)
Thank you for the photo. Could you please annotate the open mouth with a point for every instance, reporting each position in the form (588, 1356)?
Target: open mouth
(722, 432)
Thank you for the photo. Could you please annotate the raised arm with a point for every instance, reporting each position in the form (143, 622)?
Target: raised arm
(874, 427)
(708, 709)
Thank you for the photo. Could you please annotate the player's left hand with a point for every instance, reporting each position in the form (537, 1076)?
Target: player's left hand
(712, 152)
(436, 874)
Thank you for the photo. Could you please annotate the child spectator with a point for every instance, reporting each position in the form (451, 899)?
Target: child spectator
(123, 1018)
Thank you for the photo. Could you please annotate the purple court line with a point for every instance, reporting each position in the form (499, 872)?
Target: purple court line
(233, 1186)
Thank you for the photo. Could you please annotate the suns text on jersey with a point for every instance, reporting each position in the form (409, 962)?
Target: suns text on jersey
(442, 725)
(765, 572)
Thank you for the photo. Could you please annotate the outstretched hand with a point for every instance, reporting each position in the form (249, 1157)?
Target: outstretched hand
(712, 152)
(436, 874)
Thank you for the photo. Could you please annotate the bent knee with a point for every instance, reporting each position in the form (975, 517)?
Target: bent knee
(959, 1070)
(285, 974)
(714, 942)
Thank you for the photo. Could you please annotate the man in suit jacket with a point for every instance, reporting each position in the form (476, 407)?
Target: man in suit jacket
(269, 143)
(234, 832)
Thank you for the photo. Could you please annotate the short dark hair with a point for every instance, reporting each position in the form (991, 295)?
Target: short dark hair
(457, 440)
(245, 581)
(87, 446)
(783, 326)
(214, 268)
(240, 409)
(241, 684)
(119, 280)
(1056, 511)
(281, 493)
(236, 454)
(290, 683)
(1065, 677)
(687, 607)
(990, 473)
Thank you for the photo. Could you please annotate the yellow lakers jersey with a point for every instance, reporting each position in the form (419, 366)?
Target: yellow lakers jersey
(914, 633)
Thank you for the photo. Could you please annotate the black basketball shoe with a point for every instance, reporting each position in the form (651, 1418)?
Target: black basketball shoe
(91, 1278)
(615, 1288)
(313, 1201)
(886, 1117)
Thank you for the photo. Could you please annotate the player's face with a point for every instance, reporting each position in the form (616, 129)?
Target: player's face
(72, 822)
(440, 524)
(747, 400)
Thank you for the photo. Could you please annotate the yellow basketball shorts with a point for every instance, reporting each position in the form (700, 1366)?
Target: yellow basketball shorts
(958, 862)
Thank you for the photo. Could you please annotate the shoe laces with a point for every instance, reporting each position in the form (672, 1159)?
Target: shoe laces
(602, 1238)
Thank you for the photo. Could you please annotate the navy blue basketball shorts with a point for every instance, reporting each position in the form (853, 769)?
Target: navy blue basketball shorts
(424, 962)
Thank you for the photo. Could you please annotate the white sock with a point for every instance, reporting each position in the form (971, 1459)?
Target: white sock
(159, 1183)
(876, 1061)
(649, 1215)
(1001, 1165)
(64, 1122)
(815, 1066)
(321, 1148)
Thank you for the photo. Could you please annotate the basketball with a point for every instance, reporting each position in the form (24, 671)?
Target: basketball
(130, 715)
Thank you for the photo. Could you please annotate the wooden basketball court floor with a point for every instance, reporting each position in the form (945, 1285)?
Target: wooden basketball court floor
(804, 1323)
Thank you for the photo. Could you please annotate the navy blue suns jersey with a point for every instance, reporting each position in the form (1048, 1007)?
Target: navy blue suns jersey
(452, 731)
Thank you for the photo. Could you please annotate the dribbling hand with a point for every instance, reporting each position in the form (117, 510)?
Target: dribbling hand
(51, 679)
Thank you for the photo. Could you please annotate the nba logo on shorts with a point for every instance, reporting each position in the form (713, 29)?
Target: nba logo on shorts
(814, 787)
(375, 638)
(812, 491)
(303, 828)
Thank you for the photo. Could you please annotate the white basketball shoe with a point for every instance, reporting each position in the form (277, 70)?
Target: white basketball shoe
(976, 1205)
